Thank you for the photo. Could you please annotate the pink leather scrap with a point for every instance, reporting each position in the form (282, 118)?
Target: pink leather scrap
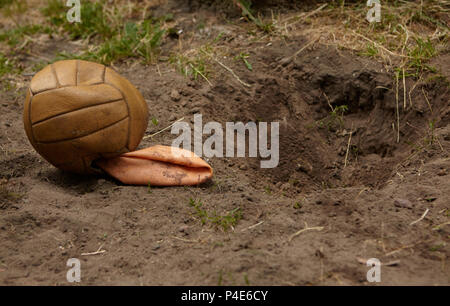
(158, 166)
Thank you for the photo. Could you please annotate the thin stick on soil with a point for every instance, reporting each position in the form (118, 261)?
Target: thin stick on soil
(396, 103)
(410, 91)
(438, 227)
(403, 248)
(253, 226)
(421, 218)
(99, 251)
(440, 145)
(306, 16)
(348, 147)
(150, 136)
(380, 46)
(232, 72)
(304, 47)
(316, 228)
(406, 38)
(199, 72)
(159, 71)
(404, 89)
(328, 101)
(428, 101)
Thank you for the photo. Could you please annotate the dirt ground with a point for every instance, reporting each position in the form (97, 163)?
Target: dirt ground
(345, 178)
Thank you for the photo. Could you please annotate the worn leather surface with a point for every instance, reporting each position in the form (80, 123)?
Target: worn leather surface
(76, 112)
(158, 166)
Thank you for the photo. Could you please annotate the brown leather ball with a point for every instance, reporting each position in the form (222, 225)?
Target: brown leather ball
(77, 111)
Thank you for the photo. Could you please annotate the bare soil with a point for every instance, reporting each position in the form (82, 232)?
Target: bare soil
(363, 192)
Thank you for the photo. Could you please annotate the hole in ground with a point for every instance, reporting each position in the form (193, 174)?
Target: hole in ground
(321, 98)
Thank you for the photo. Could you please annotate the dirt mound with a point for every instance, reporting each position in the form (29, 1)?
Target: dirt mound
(320, 97)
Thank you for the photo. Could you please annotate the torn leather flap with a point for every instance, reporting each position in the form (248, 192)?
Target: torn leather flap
(158, 166)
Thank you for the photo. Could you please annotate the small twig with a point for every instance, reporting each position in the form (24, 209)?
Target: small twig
(232, 72)
(391, 263)
(397, 112)
(304, 47)
(38, 56)
(440, 145)
(328, 101)
(410, 91)
(403, 248)
(99, 251)
(149, 136)
(348, 146)
(316, 228)
(404, 89)
(421, 218)
(428, 101)
(438, 227)
(253, 226)
(406, 38)
(310, 14)
(159, 71)
(199, 72)
(380, 46)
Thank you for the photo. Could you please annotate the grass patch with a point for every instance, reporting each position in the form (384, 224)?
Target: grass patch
(298, 205)
(335, 120)
(225, 222)
(423, 51)
(95, 19)
(16, 36)
(195, 63)
(137, 40)
(243, 57)
(13, 9)
(8, 67)
(5, 3)
(247, 12)
(409, 34)
(116, 35)
(195, 66)
(371, 51)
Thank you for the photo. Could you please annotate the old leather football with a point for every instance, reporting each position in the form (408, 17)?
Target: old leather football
(77, 111)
